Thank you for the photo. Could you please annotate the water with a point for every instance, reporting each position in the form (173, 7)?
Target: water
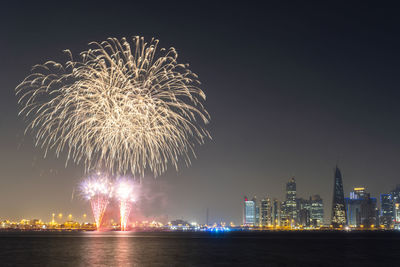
(199, 249)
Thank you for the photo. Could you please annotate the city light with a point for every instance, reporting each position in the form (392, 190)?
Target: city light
(266, 214)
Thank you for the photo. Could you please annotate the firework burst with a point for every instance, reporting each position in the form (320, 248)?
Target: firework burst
(124, 106)
(97, 189)
(125, 195)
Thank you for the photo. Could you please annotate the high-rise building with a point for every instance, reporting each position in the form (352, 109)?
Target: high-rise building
(396, 215)
(368, 211)
(358, 193)
(284, 219)
(396, 194)
(396, 206)
(257, 212)
(291, 202)
(304, 217)
(317, 211)
(266, 212)
(304, 212)
(353, 211)
(338, 205)
(386, 217)
(249, 212)
(396, 211)
(276, 213)
(361, 208)
(353, 206)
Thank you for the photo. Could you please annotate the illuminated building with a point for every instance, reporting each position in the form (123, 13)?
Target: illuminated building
(276, 213)
(266, 212)
(338, 205)
(353, 211)
(284, 219)
(353, 206)
(396, 194)
(304, 212)
(358, 193)
(396, 215)
(317, 211)
(361, 208)
(386, 217)
(179, 224)
(257, 212)
(249, 212)
(304, 217)
(291, 201)
(368, 211)
(396, 211)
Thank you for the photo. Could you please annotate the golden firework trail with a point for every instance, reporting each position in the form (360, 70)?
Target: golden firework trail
(124, 106)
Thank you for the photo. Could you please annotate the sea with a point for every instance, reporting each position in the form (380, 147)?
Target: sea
(235, 248)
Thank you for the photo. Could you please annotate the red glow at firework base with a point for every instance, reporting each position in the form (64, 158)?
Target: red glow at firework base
(99, 204)
(124, 193)
(97, 189)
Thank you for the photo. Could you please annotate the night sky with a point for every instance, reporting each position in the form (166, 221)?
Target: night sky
(291, 89)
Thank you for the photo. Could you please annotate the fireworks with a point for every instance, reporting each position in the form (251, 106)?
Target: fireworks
(97, 189)
(124, 194)
(123, 106)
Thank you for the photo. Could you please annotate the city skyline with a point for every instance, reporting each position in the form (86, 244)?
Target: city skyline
(359, 210)
(290, 207)
(291, 90)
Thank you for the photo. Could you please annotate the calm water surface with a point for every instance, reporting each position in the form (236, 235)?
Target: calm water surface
(199, 249)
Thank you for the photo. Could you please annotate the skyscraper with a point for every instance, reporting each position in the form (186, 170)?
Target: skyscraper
(291, 201)
(283, 215)
(353, 206)
(249, 212)
(353, 211)
(386, 210)
(358, 193)
(266, 212)
(338, 206)
(276, 213)
(396, 215)
(396, 194)
(361, 208)
(256, 212)
(396, 206)
(304, 212)
(368, 211)
(317, 211)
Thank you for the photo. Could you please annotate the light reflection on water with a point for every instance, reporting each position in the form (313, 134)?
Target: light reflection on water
(108, 249)
(198, 249)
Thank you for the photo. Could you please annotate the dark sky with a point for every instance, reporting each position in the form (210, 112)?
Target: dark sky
(292, 89)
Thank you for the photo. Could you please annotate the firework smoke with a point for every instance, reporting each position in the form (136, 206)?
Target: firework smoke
(124, 194)
(97, 189)
(123, 106)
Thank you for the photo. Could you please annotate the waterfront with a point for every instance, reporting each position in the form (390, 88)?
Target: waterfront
(199, 248)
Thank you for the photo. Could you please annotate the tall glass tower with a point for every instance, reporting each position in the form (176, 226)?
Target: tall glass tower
(266, 212)
(386, 210)
(249, 216)
(317, 211)
(291, 201)
(338, 207)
